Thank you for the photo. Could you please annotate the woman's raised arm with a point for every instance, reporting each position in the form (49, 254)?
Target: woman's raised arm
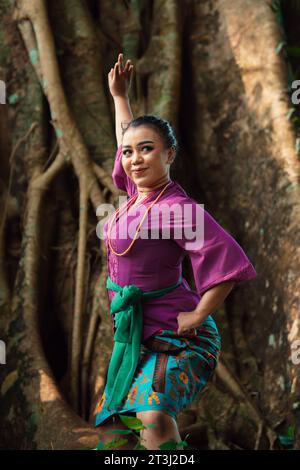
(119, 80)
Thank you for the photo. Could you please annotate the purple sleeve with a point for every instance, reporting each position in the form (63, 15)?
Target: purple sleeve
(215, 255)
(120, 179)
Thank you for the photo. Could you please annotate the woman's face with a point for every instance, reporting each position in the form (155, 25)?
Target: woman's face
(143, 149)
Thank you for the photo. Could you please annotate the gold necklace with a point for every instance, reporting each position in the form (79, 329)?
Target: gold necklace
(138, 200)
(140, 224)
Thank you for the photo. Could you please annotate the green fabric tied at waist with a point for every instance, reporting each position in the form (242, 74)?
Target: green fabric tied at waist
(126, 304)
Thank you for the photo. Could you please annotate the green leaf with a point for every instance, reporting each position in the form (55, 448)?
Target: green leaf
(280, 47)
(13, 99)
(100, 445)
(297, 145)
(289, 438)
(172, 444)
(119, 431)
(115, 443)
(286, 440)
(33, 56)
(183, 443)
(292, 186)
(291, 431)
(59, 132)
(275, 6)
(132, 422)
(168, 445)
(139, 446)
(290, 113)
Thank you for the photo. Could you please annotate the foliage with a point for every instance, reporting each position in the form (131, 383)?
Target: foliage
(135, 425)
(288, 440)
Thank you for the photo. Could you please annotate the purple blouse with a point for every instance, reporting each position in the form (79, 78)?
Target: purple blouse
(156, 262)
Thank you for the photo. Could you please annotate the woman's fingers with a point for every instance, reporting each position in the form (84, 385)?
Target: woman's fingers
(118, 68)
(120, 63)
(127, 66)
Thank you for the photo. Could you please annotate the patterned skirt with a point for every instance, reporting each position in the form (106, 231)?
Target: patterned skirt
(172, 372)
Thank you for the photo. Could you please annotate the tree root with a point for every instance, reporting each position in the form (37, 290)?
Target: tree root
(236, 388)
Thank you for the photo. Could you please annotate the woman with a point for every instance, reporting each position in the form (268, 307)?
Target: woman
(167, 343)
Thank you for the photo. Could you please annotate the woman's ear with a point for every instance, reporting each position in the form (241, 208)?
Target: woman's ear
(171, 155)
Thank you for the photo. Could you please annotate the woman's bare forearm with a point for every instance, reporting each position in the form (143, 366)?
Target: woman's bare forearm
(122, 113)
(212, 299)
(209, 302)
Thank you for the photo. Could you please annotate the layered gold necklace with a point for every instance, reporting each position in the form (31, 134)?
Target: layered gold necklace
(129, 204)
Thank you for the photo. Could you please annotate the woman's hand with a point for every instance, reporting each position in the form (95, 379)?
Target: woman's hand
(187, 321)
(119, 78)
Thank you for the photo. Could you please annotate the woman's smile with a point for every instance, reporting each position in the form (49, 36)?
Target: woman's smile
(139, 172)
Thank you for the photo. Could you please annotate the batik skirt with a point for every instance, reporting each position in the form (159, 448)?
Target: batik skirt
(172, 372)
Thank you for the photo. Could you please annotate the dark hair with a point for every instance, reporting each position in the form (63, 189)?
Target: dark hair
(161, 126)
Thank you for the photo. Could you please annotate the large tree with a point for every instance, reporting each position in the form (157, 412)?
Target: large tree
(214, 70)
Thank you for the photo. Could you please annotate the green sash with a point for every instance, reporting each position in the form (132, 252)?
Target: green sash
(126, 304)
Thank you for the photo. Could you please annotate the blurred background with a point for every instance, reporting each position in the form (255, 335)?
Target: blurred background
(224, 73)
